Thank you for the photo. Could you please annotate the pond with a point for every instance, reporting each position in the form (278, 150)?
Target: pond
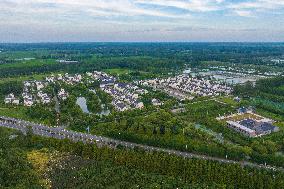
(82, 102)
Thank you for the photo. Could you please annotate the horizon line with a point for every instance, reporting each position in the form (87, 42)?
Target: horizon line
(58, 42)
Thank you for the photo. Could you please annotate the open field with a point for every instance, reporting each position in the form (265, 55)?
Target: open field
(118, 71)
(30, 63)
(228, 100)
(16, 112)
(24, 78)
(23, 54)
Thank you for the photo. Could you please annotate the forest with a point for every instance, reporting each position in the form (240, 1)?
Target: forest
(31, 161)
(147, 57)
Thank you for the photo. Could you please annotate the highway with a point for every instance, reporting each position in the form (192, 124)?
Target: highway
(61, 133)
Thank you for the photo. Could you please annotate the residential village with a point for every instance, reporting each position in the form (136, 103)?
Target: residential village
(126, 96)
(185, 87)
(33, 93)
(33, 90)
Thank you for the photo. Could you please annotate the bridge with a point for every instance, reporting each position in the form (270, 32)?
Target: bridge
(61, 133)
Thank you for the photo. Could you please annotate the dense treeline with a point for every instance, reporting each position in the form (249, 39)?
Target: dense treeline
(141, 63)
(87, 166)
(150, 57)
(6, 88)
(201, 51)
(105, 174)
(15, 170)
(269, 88)
(46, 114)
(267, 93)
(189, 170)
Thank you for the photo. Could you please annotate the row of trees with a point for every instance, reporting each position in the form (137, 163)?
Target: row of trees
(6, 88)
(141, 63)
(15, 170)
(189, 170)
(87, 166)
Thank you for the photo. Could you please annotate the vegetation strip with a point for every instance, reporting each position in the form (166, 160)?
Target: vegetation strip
(59, 133)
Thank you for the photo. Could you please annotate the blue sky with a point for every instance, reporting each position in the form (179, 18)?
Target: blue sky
(141, 20)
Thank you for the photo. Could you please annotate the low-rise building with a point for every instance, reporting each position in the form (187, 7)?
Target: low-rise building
(156, 102)
(28, 101)
(185, 87)
(62, 94)
(11, 99)
(39, 85)
(125, 95)
(242, 129)
(50, 79)
(252, 128)
(44, 98)
(68, 61)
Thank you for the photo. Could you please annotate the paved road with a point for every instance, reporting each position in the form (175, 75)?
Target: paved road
(61, 133)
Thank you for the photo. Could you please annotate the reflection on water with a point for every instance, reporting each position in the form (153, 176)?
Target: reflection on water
(82, 102)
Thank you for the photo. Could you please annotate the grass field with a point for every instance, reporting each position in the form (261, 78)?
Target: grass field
(25, 78)
(23, 54)
(228, 100)
(15, 112)
(117, 71)
(281, 88)
(30, 63)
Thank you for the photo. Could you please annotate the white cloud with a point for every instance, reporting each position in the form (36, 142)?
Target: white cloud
(244, 13)
(220, 1)
(257, 5)
(119, 17)
(193, 5)
(132, 8)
